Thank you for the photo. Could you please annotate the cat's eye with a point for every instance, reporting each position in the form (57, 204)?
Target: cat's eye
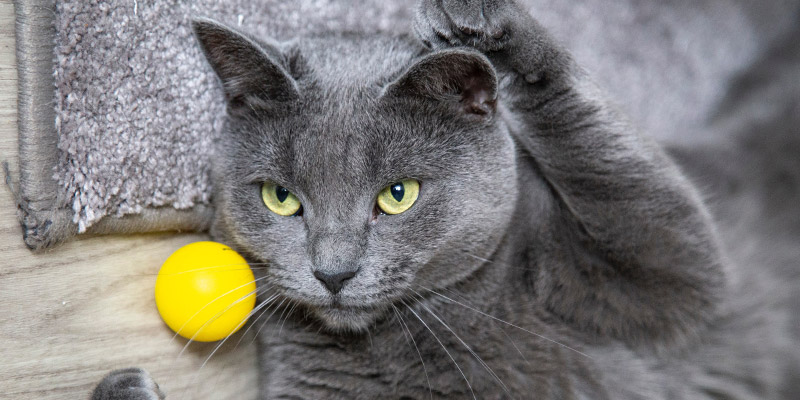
(398, 197)
(280, 200)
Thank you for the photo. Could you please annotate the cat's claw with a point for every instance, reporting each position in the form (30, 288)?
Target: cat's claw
(128, 384)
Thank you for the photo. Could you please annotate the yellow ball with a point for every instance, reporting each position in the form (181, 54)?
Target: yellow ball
(205, 291)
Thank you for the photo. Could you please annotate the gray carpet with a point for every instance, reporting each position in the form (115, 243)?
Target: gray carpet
(136, 109)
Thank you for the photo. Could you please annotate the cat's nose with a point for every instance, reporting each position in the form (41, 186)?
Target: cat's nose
(334, 281)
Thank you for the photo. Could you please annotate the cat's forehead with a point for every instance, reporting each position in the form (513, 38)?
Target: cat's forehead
(327, 148)
(356, 144)
(334, 145)
(334, 64)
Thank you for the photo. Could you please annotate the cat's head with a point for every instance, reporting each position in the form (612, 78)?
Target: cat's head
(361, 170)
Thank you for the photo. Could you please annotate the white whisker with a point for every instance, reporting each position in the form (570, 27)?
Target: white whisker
(474, 354)
(264, 306)
(486, 260)
(505, 322)
(493, 321)
(515, 345)
(443, 347)
(269, 317)
(405, 328)
(250, 266)
(243, 320)
(214, 318)
(196, 374)
(288, 314)
(209, 303)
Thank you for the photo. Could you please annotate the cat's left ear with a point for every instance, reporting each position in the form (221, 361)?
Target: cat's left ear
(252, 74)
(461, 77)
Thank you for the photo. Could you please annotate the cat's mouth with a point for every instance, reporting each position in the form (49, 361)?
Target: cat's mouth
(337, 305)
(343, 318)
(341, 312)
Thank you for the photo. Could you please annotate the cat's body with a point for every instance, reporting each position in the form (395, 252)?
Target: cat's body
(553, 252)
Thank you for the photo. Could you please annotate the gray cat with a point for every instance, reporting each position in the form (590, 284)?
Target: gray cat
(462, 215)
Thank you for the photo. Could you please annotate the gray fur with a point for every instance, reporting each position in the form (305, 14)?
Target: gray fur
(553, 252)
(128, 384)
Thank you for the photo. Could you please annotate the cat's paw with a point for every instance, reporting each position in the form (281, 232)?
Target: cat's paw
(128, 384)
(502, 29)
(485, 25)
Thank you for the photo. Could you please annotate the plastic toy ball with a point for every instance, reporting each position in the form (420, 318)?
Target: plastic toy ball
(205, 291)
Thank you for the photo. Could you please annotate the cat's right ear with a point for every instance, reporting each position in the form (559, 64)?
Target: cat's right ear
(461, 77)
(251, 77)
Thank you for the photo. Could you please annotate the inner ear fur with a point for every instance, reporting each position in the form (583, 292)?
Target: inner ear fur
(463, 77)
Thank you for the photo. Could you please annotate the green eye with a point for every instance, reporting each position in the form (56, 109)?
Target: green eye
(279, 199)
(398, 197)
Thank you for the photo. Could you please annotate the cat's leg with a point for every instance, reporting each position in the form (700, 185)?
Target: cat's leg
(634, 254)
(127, 384)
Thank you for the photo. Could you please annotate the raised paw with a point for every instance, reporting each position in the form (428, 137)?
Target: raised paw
(128, 384)
(482, 24)
(501, 29)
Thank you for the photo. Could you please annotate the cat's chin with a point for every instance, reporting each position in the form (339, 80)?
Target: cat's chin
(347, 319)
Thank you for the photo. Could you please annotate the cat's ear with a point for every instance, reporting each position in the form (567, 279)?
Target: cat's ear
(463, 77)
(251, 74)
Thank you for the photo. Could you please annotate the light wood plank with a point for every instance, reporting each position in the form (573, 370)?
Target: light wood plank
(72, 314)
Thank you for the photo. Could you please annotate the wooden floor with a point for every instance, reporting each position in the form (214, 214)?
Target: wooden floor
(72, 314)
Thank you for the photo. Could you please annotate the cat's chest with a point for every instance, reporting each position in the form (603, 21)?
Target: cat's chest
(408, 357)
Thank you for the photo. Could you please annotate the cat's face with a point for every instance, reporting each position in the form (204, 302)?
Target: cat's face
(335, 149)
(336, 166)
